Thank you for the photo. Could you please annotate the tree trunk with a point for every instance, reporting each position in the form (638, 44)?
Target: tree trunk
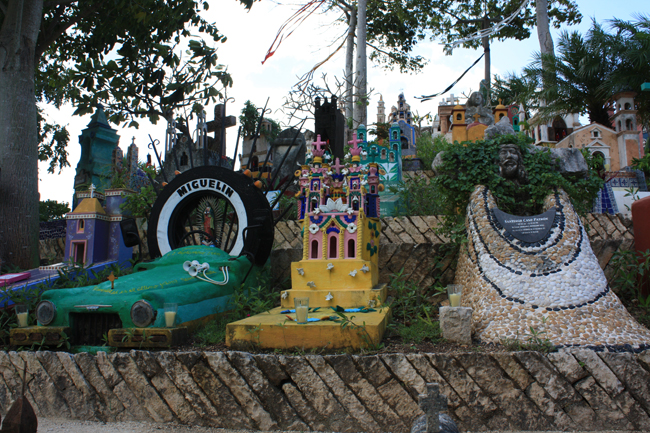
(546, 46)
(349, 64)
(361, 97)
(18, 135)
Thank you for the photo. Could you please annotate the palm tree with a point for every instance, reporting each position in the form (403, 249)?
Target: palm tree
(583, 68)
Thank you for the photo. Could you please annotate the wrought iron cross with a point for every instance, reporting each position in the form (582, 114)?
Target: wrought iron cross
(112, 279)
(432, 403)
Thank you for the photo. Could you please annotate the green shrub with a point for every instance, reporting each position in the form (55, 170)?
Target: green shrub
(475, 163)
(427, 148)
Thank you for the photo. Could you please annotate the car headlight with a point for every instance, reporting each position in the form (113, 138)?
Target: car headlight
(45, 312)
(142, 314)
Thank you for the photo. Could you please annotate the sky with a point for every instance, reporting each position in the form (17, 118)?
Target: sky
(250, 34)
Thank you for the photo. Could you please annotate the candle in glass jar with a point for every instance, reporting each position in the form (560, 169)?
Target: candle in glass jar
(302, 309)
(454, 300)
(22, 319)
(170, 317)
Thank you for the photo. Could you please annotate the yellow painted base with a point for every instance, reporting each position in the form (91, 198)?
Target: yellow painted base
(147, 337)
(272, 330)
(338, 277)
(346, 298)
(48, 335)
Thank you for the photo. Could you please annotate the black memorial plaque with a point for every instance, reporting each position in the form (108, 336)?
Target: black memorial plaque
(526, 228)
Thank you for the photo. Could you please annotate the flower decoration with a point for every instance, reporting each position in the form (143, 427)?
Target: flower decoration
(329, 296)
(330, 266)
(365, 269)
(313, 229)
(350, 211)
(301, 271)
(364, 182)
(329, 173)
(353, 273)
(333, 206)
(344, 171)
(311, 284)
(316, 211)
(328, 156)
(285, 294)
(352, 227)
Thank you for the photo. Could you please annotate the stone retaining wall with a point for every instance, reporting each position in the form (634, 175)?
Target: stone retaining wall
(582, 390)
(411, 243)
(408, 242)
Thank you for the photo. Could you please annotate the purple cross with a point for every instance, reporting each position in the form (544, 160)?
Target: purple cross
(338, 166)
(317, 144)
(355, 141)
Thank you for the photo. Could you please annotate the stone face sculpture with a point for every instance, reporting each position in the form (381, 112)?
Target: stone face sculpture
(511, 164)
(476, 105)
(554, 286)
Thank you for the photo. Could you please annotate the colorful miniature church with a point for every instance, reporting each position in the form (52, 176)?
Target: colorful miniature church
(339, 207)
(388, 158)
(93, 232)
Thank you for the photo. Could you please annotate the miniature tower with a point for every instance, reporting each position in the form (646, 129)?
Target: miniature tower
(339, 210)
(97, 142)
(624, 120)
(458, 126)
(93, 232)
(381, 110)
(500, 111)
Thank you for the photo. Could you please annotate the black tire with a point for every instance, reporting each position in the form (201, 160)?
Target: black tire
(247, 220)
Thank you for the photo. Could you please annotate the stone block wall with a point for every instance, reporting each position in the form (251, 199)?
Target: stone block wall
(582, 390)
(411, 243)
(408, 242)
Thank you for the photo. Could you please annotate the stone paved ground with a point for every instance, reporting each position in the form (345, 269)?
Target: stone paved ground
(68, 426)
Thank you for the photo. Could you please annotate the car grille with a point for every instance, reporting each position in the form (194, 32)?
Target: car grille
(90, 328)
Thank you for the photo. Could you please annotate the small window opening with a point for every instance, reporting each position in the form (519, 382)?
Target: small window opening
(351, 249)
(333, 248)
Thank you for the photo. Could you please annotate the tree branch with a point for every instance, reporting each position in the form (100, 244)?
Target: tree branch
(56, 31)
(50, 3)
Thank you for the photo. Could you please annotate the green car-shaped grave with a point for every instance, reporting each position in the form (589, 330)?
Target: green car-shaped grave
(131, 314)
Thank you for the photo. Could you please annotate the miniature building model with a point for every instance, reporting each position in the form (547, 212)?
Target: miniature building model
(338, 206)
(381, 110)
(402, 116)
(98, 142)
(617, 145)
(93, 232)
(388, 158)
